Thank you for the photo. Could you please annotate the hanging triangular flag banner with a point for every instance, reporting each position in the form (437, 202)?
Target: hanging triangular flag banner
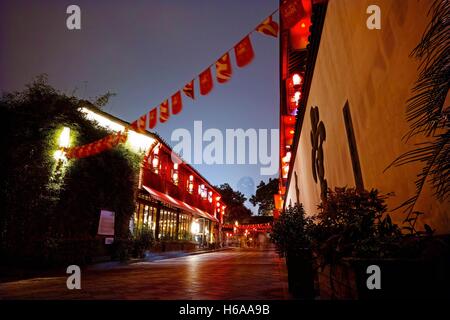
(189, 89)
(152, 115)
(268, 27)
(206, 82)
(140, 125)
(244, 52)
(290, 10)
(164, 111)
(223, 68)
(177, 103)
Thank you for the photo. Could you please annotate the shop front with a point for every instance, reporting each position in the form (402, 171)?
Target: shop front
(174, 202)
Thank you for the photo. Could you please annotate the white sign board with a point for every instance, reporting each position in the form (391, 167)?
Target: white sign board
(106, 223)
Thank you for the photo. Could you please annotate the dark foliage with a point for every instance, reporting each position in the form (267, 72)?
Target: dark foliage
(50, 212)
(292, 231)
(234, 200)
(264, 197)
(354, 223)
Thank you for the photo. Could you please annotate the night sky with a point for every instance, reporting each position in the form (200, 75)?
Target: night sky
(144, 51)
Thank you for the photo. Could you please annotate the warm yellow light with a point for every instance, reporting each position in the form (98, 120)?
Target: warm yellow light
(155, 162)
(139, 142)
(136, 141)
(64, 138)
(195, 227)
(175, 166)
(287, 158)
(296, 79)
(59, 155)
(297, 96)
(102, 120)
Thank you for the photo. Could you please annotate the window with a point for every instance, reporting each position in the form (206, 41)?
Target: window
(144, 216)
(167, 224)
(353, 148)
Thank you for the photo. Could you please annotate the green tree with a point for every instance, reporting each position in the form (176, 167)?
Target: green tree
(50, 213)
(234, 200)
(264, 197)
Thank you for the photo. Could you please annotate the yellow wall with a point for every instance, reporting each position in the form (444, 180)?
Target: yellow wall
(373, 71)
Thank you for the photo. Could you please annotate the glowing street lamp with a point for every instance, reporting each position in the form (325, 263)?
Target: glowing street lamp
(64, 138)
(63, 143)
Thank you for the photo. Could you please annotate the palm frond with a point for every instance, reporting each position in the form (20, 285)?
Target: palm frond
(426, 113)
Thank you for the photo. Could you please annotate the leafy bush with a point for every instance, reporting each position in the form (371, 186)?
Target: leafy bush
(353, 223)
(44, 204)
(142, 241)
(291, 232)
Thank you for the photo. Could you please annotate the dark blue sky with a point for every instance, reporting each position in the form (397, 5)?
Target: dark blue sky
(144, 51)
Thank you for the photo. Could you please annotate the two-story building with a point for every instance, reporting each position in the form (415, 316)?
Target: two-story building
(173, 200)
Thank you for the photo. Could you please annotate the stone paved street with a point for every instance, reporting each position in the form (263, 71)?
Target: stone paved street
(230, 274)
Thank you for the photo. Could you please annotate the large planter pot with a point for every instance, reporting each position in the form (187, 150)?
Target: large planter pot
(400, 279)
(301, 274)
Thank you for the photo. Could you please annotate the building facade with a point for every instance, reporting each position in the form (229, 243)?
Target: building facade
(349, 123)
(174, 202)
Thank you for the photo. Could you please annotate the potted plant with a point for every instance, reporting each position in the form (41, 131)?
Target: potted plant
(352, 231)
(291, 235)
(142, 241)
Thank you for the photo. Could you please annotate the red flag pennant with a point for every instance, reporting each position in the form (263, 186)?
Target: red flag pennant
(291, 12)
(189, 89)
(177, 103)
(140, 125)
(152, 118)
(206, 82)
(244, 52)
(268, 27)
(143, 123)
(223, 68)
(164, 111)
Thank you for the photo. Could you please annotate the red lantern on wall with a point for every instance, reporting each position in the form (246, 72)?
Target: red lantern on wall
(175, 174)
(155, 160)
(190, 184)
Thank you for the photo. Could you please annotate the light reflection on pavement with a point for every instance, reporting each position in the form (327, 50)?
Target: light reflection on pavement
(230, 274)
